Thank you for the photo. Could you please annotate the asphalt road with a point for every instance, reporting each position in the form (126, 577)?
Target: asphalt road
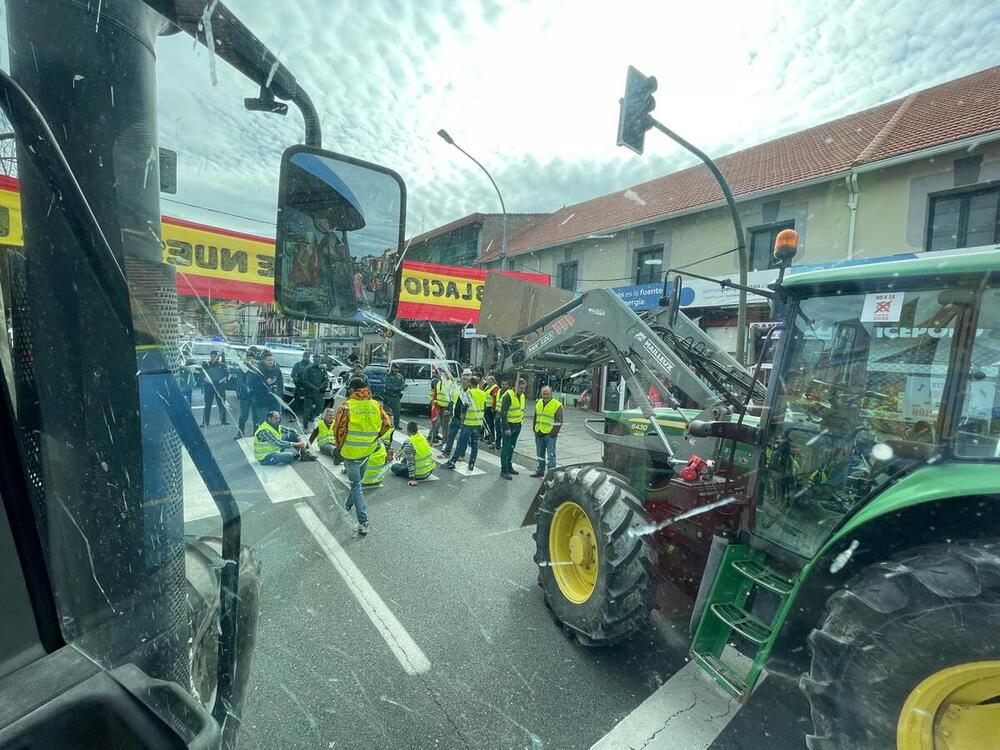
(431, 631)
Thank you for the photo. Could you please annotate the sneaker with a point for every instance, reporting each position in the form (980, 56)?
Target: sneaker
(511, 471)
(363, 528)
(505, 475)
(449, 465)
(307, 456)
(537, 474)
(472, 467)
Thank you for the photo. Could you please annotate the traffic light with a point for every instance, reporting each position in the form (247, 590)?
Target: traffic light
(634, 116)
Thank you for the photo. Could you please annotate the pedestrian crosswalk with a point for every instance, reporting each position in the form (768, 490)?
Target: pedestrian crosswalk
(198, 502)
(281, 483)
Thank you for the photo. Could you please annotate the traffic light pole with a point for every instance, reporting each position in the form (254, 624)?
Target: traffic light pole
(741, 246)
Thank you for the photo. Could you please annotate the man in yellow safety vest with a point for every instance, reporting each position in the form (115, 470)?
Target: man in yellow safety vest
(359, 426)
(375, 468)
(274, 445)
(458, 400)
(416, 460)
(509, 421)
(547, 422)
(323, 434)
(471, 411)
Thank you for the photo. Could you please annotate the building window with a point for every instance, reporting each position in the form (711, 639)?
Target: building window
(762, 245)
(649, 265)
(567, 275)
(964, 219)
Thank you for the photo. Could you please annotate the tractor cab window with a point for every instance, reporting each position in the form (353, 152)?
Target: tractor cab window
(858, 406)
(978, 433)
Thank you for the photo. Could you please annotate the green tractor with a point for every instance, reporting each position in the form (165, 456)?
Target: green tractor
(842, 531)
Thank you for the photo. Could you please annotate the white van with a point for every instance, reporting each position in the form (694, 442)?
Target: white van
(417, 373)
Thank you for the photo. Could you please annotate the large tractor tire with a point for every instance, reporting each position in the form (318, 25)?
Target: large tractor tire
(595, 575)
(908, 655)
(204, 563)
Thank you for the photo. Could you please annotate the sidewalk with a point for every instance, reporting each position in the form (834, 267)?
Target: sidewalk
(573, 446)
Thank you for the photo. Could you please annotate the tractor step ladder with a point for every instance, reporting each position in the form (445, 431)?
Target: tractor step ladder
(742, 572)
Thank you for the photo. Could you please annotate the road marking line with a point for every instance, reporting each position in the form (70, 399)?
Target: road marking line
(689, 710)
(460, 468)
(404, 648)
(198, 502)
(281, 483)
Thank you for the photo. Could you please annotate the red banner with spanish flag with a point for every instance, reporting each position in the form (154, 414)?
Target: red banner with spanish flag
(211, 262)
(447, 294)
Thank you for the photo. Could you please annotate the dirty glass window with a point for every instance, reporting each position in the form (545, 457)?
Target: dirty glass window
(978, 431)
(858, 406)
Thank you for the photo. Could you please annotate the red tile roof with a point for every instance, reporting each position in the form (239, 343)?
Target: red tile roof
(953, 111)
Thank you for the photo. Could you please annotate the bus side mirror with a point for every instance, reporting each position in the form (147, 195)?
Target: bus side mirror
(339, 236)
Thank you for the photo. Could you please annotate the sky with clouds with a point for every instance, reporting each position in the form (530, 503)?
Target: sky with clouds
(531, 89)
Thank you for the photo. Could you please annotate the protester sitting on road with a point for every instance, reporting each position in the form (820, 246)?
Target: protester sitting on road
(416, 459)
(359, 425)
(324, 434)
(375, 468)
(274, 444)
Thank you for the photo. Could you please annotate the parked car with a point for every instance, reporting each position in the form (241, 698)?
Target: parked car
(417, 373)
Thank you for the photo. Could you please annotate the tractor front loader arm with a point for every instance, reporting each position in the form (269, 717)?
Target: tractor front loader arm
(598, 327)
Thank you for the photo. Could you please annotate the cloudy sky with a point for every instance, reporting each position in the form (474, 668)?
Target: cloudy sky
(531, 89)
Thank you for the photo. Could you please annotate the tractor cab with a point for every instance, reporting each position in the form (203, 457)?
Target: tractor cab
(885, 376)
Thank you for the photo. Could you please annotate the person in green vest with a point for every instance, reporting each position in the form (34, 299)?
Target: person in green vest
(416, 459)
(472, 409)
(359, 425)
(547, 422)
(274, 444)
(375, 468)
(458, 401)
(324, 435)
(509, 421)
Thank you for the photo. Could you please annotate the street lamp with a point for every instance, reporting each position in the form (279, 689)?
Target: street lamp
(451, 142)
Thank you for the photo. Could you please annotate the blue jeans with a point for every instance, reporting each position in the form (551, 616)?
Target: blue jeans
(278, 459)
(355, 497)
(545, 445)
(453, 429)
(400, 469)
(467, 436)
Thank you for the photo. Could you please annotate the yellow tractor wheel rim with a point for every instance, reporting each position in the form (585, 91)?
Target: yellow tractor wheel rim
(573, 552)
(957, 708)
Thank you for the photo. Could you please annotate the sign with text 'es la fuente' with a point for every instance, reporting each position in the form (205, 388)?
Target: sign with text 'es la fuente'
(447, 294)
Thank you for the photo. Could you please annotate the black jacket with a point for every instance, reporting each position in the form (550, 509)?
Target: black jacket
(313, 378)
(263, 392)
